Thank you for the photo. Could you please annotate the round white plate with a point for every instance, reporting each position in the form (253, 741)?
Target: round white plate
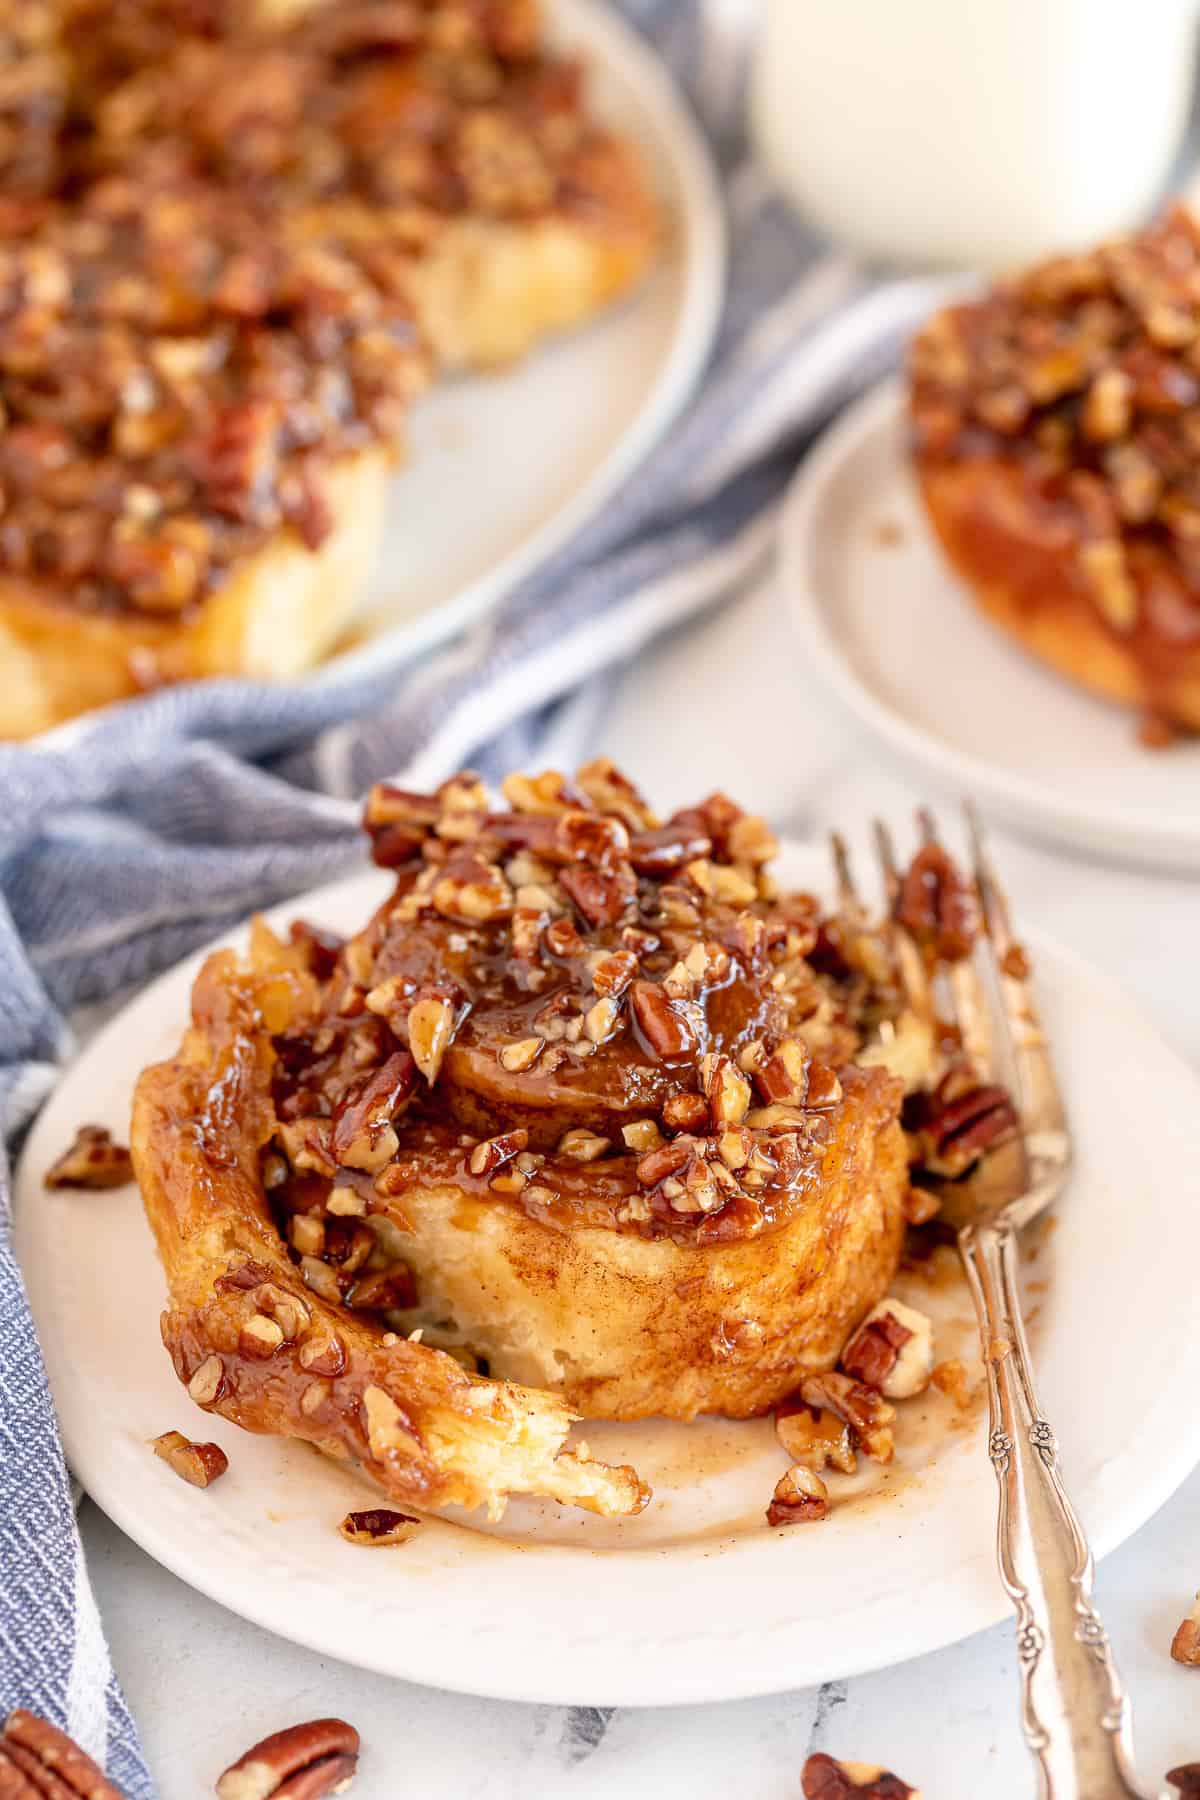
(891, 628)
(696, 1599)
(504, 468)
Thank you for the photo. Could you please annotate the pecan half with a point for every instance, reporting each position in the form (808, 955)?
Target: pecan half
(826, 1779)
(960, 1120)
(93, 1160)
(46, 1756)
(800, 1498)
(304, 1762)
(362, 1135)
(664, 1027)
(1186, 1777)
(199, 1464)
(601, 895)
(937, 907)
(378, 1527)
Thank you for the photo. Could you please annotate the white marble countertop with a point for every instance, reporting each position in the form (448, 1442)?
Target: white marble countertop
(727, 705)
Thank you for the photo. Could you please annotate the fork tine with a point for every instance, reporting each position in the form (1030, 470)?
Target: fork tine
(887, 862)
(1037, 1090)
(907, 959)
(962, 986)
(848, 897)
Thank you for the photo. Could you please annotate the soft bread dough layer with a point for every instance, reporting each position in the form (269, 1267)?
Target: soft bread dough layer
(623, 1327)
(426, 1431)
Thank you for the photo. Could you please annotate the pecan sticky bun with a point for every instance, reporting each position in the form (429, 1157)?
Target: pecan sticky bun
(587, 1105)
(1056, 437)
(233, 254)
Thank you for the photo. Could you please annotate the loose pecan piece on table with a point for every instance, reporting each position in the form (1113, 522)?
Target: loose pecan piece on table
(93, 1160)
(826, 1779)
(40, 1762)
(302, 1762)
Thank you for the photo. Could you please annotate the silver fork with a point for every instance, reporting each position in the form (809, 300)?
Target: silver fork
(1073, 1709)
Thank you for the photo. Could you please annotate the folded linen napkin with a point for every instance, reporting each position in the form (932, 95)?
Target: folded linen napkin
(139, 833)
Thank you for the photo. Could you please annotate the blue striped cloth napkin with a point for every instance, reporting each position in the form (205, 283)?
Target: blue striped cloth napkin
(145, 830)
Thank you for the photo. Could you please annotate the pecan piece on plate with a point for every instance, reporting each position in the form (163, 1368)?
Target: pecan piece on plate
(303, 1762)
(892, 1350)
(813, 1437)
(200, 1464)
(824, 1778)
(44, 1761)
(800, 1498)
(93, 1160)
(1186, 1777)
(378, 1526)
(862, 1408)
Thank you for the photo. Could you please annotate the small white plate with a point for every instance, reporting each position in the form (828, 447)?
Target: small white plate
(696, 1599)
(889, 625)
(504, 468)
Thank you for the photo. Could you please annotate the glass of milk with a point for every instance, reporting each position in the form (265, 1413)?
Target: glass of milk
(980, 132)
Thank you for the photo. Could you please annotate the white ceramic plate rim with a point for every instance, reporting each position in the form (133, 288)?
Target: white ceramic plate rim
(1170, 837)
(528, 1653)
(700, 238)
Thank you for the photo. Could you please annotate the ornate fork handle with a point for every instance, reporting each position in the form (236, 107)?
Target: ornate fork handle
(1074, 1711)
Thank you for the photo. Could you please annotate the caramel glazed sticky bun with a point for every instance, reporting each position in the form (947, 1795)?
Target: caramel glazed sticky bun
(590, 1102)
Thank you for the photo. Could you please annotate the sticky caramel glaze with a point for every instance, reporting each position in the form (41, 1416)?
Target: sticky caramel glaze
(1055, 432)
(475, 1097)
(625, 1324)
(427, 1432)
(556, 1105)
(1015, 539)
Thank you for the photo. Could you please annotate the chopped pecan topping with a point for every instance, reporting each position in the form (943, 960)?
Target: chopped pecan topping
(1083, 376)
(207, 268)
(662, 1023)
(207, 1381)
(362, 1122)
(92, 1161)
(596, 1016)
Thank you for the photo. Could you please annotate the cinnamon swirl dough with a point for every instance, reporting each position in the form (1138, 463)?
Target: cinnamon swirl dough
(580, 1101)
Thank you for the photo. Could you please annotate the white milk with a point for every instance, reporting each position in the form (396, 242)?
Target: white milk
(972, 131)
